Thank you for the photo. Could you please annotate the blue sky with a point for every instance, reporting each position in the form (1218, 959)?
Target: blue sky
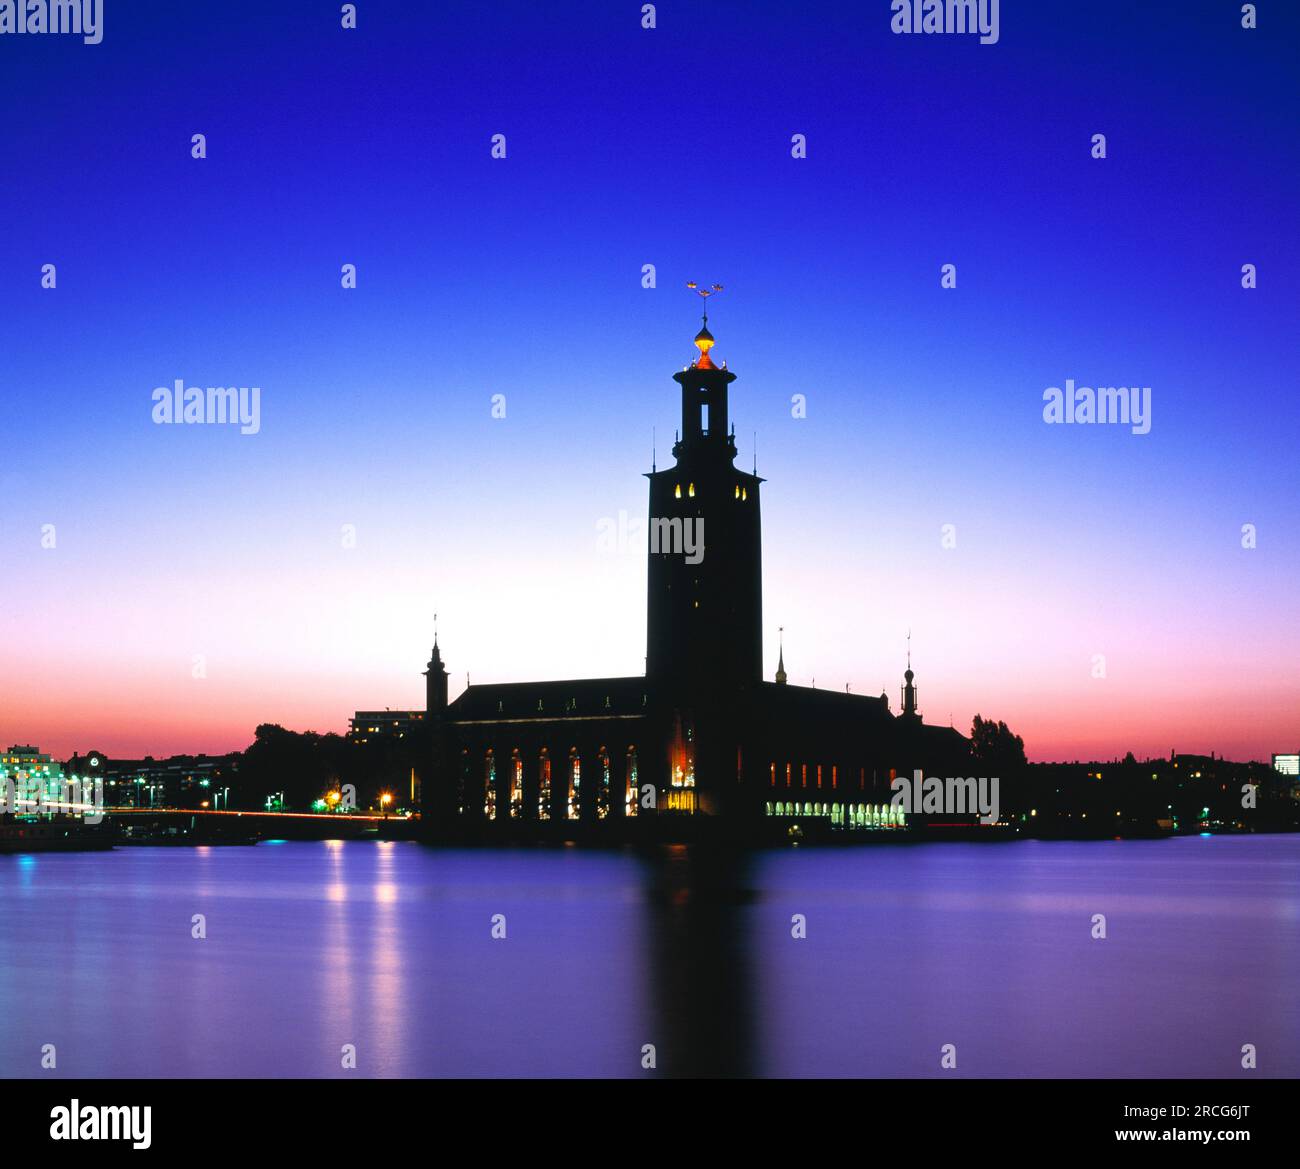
(522, 276)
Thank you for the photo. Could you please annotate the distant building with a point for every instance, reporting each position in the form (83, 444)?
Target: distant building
(36, 778)
(368, 726)
(1287, 764)
(179, 781)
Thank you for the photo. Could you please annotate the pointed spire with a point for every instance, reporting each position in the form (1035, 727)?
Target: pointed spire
(435, 659)
(435, 675)
(909, 689)
(780, 661)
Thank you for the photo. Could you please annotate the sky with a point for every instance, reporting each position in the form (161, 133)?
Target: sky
(170, 587)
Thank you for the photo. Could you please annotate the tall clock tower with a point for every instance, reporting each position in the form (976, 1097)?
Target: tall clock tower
(705, 596)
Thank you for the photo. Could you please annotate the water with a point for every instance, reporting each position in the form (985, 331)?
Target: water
(388, 946)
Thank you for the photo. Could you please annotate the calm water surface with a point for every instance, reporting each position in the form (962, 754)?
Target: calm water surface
(388, 946)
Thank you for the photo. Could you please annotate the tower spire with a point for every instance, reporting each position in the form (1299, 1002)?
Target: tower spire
(909, 689)
(704, 339)
(780, 660)
(435, 678)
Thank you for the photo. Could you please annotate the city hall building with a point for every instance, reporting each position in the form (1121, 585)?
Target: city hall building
(701, 735)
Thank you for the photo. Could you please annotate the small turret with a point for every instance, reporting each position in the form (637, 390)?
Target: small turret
(435, 679)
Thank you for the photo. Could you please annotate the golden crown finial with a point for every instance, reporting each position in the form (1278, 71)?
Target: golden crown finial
(704, 339)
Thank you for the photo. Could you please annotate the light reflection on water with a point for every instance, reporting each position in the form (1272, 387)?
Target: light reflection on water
(388, 946)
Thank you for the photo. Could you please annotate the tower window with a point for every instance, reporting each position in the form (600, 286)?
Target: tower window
(737, 490)
(677, 491)
(691, 491)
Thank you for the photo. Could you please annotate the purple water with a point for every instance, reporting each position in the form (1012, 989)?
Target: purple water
(388, 946)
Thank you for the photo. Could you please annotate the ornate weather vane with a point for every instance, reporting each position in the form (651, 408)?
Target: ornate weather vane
(705, 293)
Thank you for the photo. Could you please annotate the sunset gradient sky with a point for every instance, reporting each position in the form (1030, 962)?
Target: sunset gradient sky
(522, 277)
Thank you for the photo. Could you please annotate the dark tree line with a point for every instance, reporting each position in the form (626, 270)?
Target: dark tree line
(306, 765)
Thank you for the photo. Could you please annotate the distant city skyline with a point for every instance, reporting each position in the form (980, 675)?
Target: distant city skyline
(184, 549)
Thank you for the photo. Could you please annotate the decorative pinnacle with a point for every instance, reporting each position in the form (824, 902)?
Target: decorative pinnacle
(704, 339)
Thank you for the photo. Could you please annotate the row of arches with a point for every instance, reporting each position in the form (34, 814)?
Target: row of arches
(843, 815)
(542, 784)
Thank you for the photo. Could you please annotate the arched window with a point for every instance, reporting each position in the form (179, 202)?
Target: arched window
(575, 783)
(544, 786)
(631, 800)
(516, 785)
(490, 785)
(603, 770)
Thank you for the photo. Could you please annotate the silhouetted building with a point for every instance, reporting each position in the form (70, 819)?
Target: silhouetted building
(179, 781)
(701, 732)
(367, 726)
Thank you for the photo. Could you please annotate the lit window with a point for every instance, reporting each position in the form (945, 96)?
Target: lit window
(677, 491)
(691, 491)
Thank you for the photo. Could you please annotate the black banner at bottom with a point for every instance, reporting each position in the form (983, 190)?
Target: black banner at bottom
(376, 1118)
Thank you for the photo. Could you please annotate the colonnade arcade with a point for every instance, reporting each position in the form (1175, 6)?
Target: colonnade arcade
(590, 781)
